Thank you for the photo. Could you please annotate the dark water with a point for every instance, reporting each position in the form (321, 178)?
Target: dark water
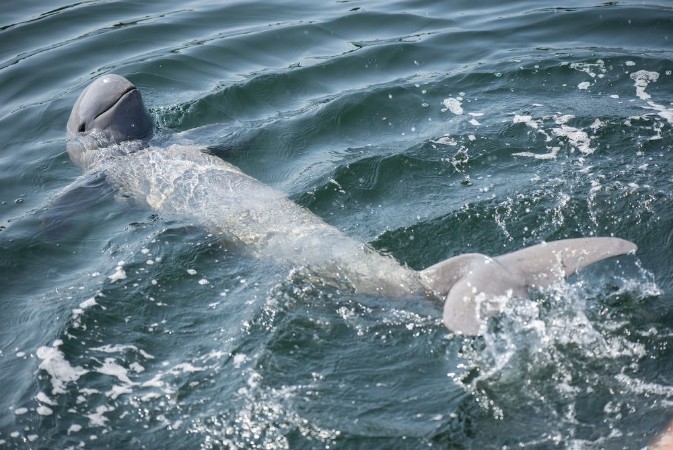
(427, 128)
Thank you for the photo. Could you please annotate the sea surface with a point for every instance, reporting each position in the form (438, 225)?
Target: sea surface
(427, 128)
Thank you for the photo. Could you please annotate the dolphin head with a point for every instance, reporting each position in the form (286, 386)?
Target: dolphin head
(112, 105)
(109, 111)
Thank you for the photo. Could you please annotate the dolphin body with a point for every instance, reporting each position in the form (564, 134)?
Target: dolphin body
(108, 131)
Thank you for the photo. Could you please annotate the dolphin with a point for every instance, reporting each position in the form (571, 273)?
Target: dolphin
(109, 131)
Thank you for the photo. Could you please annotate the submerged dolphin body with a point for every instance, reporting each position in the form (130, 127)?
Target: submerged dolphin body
(108, 129)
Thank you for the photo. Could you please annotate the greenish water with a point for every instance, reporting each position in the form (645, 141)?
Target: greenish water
(426, 128)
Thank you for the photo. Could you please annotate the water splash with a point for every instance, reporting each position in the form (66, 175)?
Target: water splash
(551, 353)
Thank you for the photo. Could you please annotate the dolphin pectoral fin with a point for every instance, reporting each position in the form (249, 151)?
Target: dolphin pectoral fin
(59, 215)
(476, 286)
(545, 264)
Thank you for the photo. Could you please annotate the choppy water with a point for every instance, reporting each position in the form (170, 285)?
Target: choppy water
(427, 128)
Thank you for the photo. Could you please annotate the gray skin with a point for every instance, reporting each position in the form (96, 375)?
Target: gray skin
(108, 132)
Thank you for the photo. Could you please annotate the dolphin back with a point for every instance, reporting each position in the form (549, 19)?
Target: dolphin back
(254, 218)
(477, 286)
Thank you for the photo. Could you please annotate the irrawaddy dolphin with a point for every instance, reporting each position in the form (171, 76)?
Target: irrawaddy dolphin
(109, 130)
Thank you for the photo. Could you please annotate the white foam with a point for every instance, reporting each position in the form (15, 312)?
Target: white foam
(145, 354)
(88, 303)
(662, 111)
(89, 391)
(453, 105)
(118, 390)
(136, 367)
(239, 359)
(642, 79)
(577, 138)
(110, 367)
(118, 348)
(43, 398)
(44, 410)
(550, 155)
(583, 86)
(97, 419)
(74, 428)
(445, 140)
(528, 120)
(58, 368)
(591, 69)
(563, 119)
(187, 367)
(119, 273)
(20, 411)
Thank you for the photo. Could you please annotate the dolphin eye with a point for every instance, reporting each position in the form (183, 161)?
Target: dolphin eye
(81, 129)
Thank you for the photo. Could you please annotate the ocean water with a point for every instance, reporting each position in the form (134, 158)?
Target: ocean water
(426, 128)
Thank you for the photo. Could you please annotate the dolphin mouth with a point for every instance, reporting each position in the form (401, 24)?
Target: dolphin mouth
(124, 94)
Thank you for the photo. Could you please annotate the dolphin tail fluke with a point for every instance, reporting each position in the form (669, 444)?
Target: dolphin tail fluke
(477, 286)
(545, 264)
